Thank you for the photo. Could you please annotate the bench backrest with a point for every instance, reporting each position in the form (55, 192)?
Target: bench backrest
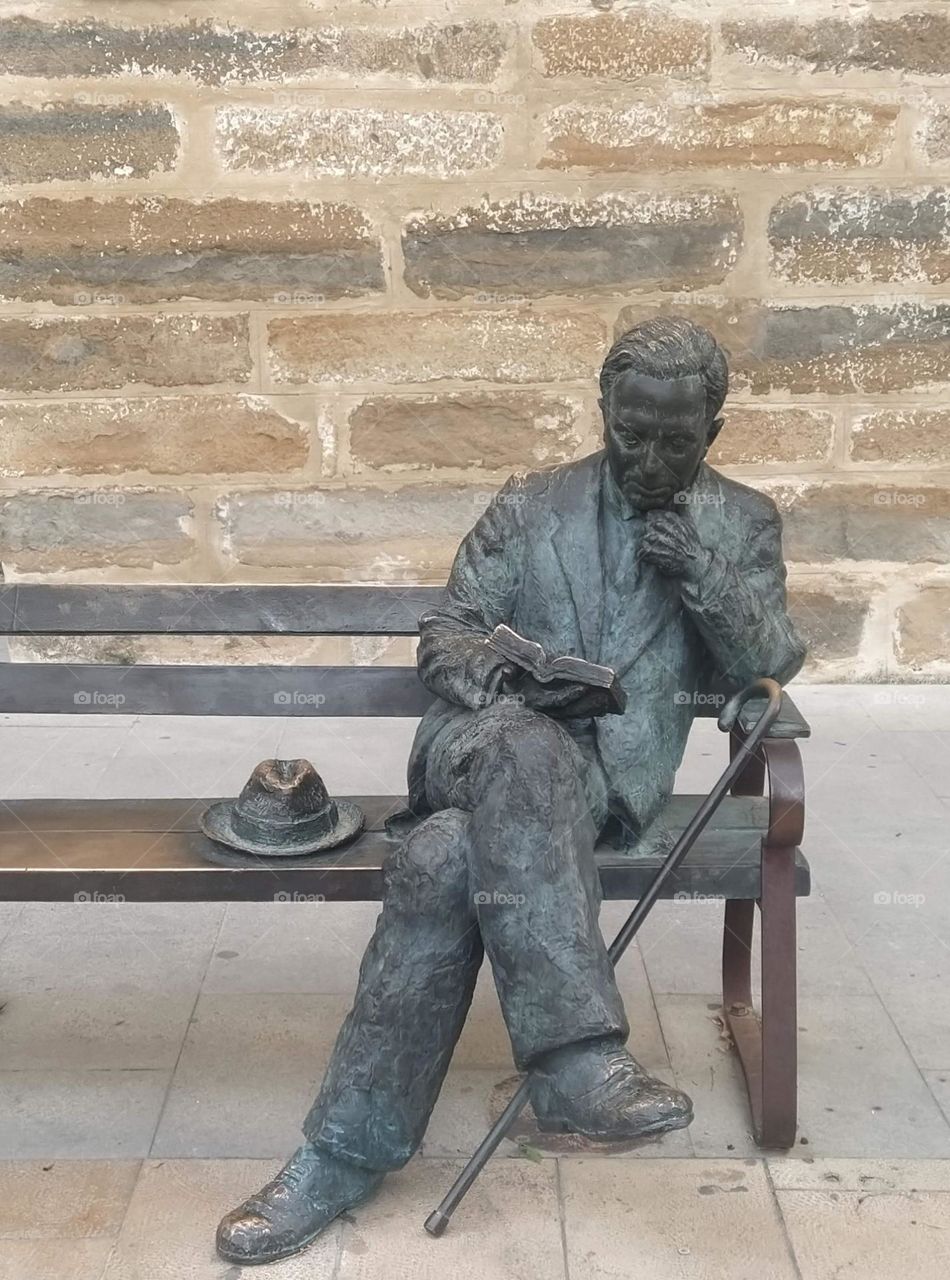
(183, 689)
(41, 609)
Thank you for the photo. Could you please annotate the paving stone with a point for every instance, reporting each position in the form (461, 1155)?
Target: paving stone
(871, 1176)
(54, 1259)
(48, 760)
(248, 1073)
(351, 760)
(66, 1199)
(291, 947)
(121, 949)
(909, 963)
(86, 1115)
(939, 1085)
(509, 1228)
(92, 1031)
(673, 1218)
(682, 946)
(867, 1235)
(164, 756)
(860, 1090)
(175, 1209)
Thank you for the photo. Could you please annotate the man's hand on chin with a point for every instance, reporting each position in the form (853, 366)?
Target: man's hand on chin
(671, 543)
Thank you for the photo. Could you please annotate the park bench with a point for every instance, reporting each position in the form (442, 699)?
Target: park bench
(150, 850)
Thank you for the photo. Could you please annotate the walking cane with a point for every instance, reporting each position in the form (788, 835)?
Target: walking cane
(439, 1218)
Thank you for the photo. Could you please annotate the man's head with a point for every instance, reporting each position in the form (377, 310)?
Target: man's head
(662, 385)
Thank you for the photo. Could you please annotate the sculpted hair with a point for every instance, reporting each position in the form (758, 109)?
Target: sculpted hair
(669, 347)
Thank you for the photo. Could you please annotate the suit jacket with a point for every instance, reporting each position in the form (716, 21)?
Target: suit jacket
(533, 560)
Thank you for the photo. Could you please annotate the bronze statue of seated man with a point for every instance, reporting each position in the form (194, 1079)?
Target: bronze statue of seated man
(640, 557)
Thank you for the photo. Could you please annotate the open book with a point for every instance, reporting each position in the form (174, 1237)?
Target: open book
(530, 656)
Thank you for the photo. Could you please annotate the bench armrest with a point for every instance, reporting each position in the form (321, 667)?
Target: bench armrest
(790, 723)
(786, 786)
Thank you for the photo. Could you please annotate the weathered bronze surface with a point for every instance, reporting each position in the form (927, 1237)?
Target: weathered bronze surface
(641, 558)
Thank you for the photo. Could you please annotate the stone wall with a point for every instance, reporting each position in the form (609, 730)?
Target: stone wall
(290, 286)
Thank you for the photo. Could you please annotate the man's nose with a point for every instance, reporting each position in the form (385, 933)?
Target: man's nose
(653, 468)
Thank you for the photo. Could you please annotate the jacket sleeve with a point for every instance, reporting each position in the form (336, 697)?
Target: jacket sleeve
(740, 609)
(453, 657)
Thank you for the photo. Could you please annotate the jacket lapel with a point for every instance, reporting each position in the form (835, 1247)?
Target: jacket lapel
(576, 542)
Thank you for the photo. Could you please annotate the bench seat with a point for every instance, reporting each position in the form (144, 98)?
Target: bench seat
(151, 850)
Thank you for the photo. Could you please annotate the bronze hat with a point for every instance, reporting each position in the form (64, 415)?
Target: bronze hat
(284, 809)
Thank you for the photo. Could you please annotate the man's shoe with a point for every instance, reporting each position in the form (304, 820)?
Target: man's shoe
(596, 1088)
(310, 1191)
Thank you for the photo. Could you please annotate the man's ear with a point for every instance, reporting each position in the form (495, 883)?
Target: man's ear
(714, 428)
(603, 412)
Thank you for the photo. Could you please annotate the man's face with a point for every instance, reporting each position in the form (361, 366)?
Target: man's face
(657, 432)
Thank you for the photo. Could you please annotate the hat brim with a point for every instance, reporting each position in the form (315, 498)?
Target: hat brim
(216, 823)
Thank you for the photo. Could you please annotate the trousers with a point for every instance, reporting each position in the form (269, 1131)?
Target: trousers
(504, 866)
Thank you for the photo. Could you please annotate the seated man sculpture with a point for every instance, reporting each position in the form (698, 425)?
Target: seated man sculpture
(640, 557)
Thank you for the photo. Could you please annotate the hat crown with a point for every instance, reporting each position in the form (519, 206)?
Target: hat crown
(282, 792)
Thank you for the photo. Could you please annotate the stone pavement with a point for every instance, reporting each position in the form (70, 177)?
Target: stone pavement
(156, 1061)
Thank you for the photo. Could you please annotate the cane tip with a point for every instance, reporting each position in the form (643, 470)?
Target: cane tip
(436, 1222)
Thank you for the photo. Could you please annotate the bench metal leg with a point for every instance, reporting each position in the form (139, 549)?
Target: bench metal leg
(767, 1049)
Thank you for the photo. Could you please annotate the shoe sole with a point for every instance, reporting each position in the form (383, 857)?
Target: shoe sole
(244, 1260)
(554, 1124)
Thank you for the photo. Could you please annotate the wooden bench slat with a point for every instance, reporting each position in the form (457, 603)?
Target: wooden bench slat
(144, 689)
(42, 861)
(211, 609)
(736, 813)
